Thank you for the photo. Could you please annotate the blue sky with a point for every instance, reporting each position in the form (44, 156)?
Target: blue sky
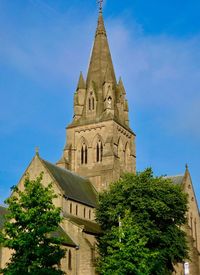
(44, 44)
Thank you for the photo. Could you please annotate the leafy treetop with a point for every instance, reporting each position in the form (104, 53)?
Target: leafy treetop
(156, 213)
(31, 219)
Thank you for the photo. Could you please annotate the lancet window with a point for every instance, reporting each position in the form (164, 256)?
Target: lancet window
(70, 209)
(70, 260)
(84, 154)
(84, 212)
(99, 151)
(89, 214)
(91, 102)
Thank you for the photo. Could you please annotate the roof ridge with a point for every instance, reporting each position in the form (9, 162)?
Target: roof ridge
(168, 176)
(74, 187)
(77, 217)
(64, 169)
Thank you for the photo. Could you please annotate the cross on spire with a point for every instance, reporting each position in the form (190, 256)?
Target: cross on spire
(100, 2)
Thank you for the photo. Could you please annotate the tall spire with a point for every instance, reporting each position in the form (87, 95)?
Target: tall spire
(100, 25)
(101, 60)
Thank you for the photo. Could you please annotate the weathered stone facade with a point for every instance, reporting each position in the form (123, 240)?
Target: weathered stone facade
(100, 146)
(78, 223)
(192, 228)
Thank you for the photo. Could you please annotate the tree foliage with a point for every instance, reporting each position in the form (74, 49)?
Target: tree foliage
(149, 239)
(126, 251)
(31, 219)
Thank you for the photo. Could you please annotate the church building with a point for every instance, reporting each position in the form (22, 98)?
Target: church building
(99, 147)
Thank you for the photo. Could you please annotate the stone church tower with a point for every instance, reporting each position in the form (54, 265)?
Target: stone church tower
(100, 144)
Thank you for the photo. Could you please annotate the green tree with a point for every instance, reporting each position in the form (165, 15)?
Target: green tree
(126, 251)
(31, 219)
(150, 240)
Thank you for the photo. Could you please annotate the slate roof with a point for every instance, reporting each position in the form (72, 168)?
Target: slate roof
(176, 179)
(88, 226)
(59, 233)
(75, 187)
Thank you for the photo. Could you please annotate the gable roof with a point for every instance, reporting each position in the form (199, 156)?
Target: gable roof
(88, 226)
(59, 233)
(176, 179)
(66, 240)
(75, 187)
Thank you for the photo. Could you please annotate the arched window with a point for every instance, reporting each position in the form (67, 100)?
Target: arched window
(84, 154)
(89, 214)
(70, 260)
(89, 104)
(76, 210)
(92, 103)
(99, 151)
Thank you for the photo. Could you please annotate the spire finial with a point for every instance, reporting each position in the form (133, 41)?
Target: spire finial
(81, 82)
(100, 2)
(37, 151)
(186, 166)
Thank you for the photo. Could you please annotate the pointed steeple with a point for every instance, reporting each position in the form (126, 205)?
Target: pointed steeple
(186, 170)
(101, 89)
(101, 60)
(108, 76)
(37, 151)
(121, 86)
(100, 121)
(81, 82)
(100, 25)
